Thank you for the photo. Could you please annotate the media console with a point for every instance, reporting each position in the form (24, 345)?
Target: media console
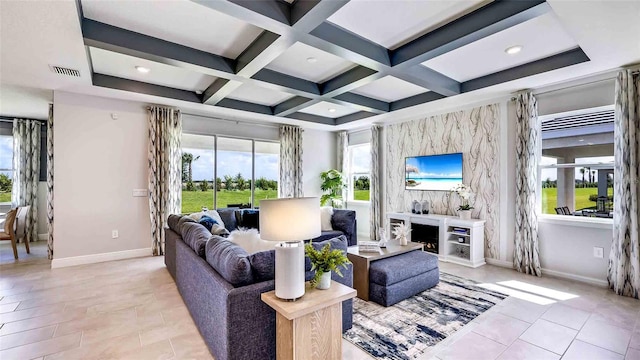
(453, 239)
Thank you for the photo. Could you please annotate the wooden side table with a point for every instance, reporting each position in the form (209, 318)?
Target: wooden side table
(311, 327)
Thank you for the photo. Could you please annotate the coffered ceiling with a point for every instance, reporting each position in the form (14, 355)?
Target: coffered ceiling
(329, 62)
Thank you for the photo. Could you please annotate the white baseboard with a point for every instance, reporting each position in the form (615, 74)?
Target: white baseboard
(498, 262)
(43, 237)
(553, 273)
(96, 258)
(583, 279)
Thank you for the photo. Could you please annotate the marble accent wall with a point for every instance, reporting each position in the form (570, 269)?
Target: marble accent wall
(474, 133)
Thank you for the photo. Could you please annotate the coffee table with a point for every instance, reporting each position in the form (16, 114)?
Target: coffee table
(362, 260)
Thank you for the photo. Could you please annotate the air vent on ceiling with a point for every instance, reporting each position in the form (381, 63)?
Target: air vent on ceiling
(574, 121)
(64, 71)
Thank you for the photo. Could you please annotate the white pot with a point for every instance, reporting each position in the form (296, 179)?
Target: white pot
(464, 214)
(403, 241)
(325, 281)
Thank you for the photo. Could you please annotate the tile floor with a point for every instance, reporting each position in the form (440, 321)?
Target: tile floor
(131, 309)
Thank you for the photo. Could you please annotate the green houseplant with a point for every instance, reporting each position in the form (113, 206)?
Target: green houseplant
(325, 261)
(332, 185)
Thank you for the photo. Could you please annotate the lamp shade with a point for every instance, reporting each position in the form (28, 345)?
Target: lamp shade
(290, 219)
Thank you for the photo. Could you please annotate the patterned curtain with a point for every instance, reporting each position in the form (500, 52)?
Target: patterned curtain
(624, 259)
(290, 161)
(50, 183)
(26, 175)
(342, 163)
(165, 178)
(374, 201)
(528, 149)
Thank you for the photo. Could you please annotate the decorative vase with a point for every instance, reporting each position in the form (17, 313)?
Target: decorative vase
(414, 205)
(325, 281)
(403, 240)
(464, 214)
(425, 207)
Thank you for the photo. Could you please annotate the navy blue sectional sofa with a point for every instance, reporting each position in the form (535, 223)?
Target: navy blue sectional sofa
(221, 285)
(342, 221)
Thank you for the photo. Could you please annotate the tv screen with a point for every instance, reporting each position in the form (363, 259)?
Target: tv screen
(433, 172)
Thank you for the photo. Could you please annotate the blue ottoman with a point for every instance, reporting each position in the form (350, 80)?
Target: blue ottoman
(396, 278)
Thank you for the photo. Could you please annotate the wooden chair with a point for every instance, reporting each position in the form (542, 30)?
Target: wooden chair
(21, 225)
(566, 211)
(9, 232)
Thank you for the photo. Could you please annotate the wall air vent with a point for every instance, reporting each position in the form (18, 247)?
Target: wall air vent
(64, 71)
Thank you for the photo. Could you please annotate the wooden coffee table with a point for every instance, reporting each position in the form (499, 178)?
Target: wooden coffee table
(362, 260)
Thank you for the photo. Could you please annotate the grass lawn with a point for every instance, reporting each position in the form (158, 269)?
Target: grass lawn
(361, 195)
(550, 198)
(193, 201)
(5, 197)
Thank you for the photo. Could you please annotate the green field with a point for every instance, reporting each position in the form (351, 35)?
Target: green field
(361, 195)
(5, 197)
(550, 199)
(193, 201)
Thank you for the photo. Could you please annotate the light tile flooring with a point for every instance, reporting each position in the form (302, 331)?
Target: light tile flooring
(131, 309)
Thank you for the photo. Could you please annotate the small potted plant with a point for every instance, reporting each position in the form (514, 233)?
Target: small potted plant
(332, 184)
(465, 194)
(401, 232)
(325, 261)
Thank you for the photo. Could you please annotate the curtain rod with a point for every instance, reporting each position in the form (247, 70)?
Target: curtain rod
(11, 118)
(234, 121)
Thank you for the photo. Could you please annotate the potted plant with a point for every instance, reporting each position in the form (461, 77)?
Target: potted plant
(325, 261)
(332, 185)
(465, 194)
(401, 232)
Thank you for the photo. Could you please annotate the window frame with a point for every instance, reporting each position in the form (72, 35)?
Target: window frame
(350, 175)
(253, 162)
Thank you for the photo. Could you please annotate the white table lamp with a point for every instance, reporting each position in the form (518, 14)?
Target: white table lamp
(290, 221)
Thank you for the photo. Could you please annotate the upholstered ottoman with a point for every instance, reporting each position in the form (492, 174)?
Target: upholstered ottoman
(396, 278)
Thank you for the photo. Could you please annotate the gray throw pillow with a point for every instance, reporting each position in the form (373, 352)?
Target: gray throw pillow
(229, 260)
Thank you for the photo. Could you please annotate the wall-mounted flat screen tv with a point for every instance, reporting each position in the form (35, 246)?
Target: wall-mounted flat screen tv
(433, 172)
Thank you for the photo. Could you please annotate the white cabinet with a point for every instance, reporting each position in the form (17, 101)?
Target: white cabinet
(459, 241)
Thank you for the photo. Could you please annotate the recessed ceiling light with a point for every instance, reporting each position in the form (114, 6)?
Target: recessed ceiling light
(513, 49)
(142, 69)
(589, 143)
(332, 110)
(312, 60)
(581, 140)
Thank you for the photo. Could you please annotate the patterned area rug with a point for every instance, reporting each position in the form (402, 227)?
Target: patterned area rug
(408, 328)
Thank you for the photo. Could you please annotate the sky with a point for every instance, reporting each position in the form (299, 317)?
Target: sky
(233, 162)
(360, 159)
(437, 166)
(6, 154)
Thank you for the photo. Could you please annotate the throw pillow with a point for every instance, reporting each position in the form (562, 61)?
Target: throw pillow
(207, 222)
(251, 219)
(215, 216)
(196, 216)
(219, 230)
(326, 212)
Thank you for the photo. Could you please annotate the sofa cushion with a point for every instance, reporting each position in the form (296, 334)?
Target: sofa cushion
(172, 222)
(251, 219)
(401, 267)
(229, 260)
(183, 220)
(196, 236)
(263, 263)
(327, 235)
(344, 220)
(228, 216)
(326, 212)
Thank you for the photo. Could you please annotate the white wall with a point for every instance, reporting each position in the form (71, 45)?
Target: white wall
(567, 248)
(98, 162)
(318, 155)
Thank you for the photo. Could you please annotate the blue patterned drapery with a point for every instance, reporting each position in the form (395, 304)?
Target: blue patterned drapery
(526, 257)
(290, 162)
(165, 165)
(624, 259)
(375, 210)
(50, 183)
(26, 175)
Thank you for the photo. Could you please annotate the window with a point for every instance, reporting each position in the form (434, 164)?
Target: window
(359, 172)
(576, 167)
(245, 172)
(6, 168)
